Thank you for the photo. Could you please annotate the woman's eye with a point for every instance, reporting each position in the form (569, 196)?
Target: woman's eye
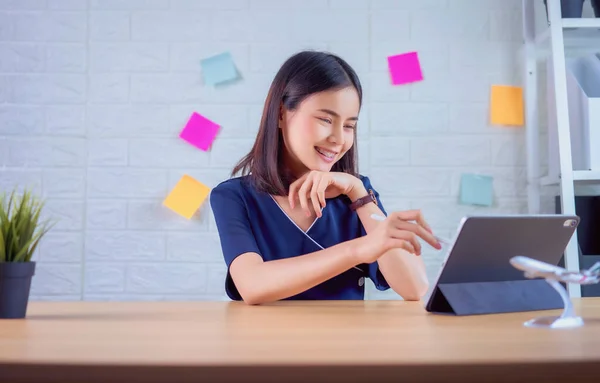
(349, 126)
(325, 120)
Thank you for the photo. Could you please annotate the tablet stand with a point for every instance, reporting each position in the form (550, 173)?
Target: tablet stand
(567, 319)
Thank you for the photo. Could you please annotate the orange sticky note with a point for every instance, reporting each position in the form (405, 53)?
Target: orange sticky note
(187, 196)
(507, 105)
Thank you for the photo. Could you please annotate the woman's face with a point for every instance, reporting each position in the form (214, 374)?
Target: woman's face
(320, 131)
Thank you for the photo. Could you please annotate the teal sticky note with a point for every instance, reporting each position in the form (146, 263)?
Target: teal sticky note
(476, 189)
(218, 69)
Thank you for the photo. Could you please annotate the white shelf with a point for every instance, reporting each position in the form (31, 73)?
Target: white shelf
(583, 33)
(586, 175)
(556, 41)
(578, 175)
(582, 22)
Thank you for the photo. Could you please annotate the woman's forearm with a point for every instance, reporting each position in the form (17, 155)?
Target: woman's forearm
(262, 282)
(404, 272)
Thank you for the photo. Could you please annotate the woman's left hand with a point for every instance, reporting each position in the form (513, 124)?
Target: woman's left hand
(317, 186)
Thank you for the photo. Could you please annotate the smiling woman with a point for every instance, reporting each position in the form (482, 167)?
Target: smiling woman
(303, 106)
(296, 224)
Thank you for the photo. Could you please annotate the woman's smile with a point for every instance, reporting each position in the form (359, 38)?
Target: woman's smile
(325, 154)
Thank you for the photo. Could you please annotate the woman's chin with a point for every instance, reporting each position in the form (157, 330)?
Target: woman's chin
(321, 167)
(317, 164)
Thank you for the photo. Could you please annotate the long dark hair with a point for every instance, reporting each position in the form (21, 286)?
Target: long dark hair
(300, 76)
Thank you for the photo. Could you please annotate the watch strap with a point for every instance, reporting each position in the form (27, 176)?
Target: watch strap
(370, 197)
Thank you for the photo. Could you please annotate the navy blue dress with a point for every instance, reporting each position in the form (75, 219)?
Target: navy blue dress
(251, 221)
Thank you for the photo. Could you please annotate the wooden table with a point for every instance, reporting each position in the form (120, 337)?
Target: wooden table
(342, 341)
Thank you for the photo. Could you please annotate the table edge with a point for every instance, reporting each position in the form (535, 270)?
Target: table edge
(550, 371)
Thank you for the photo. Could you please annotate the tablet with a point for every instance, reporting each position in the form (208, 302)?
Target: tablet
(477, 277)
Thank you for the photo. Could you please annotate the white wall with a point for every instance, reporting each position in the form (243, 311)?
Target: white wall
(94, 93)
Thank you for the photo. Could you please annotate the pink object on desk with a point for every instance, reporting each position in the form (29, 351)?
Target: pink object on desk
(199, 131)
(405, 68)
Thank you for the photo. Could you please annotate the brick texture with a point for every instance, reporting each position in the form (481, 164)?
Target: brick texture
(93, 94)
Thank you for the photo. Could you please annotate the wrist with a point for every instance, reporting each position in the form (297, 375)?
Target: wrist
(357, 192)
(356, 251)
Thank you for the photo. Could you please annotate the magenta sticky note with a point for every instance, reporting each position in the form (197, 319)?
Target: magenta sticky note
(199, 131)
(405, 68)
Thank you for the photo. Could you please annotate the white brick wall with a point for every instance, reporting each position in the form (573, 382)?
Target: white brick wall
(93, 94)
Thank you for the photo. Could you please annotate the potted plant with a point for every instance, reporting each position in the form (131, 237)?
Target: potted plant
(20, 233)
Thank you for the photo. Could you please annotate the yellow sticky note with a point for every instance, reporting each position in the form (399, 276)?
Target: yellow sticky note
(187, 196)
(507, 105)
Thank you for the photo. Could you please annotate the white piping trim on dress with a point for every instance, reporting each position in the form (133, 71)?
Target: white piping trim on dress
(302, 231)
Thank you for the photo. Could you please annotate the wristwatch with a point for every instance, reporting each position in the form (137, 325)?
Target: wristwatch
(364, 200)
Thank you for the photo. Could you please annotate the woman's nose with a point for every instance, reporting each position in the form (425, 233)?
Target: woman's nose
(337, 135)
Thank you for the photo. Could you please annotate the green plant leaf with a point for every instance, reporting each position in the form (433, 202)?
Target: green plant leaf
(4, 228)
(20, 256)
(4, 215)
(14, 241)
(25, 252)
(21, 219)
(20, 226)
(2, 246)
(35, 243)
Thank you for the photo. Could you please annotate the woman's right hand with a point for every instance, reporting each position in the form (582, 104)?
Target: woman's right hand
(400, 230)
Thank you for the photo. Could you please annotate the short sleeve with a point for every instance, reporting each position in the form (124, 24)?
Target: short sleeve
(373, 268)
(234, 228)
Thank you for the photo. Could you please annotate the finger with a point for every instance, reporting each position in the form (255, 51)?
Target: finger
(406, 236)
(425, 235)
(419, 231)
(422, 222)
(323, 184)
(303, 193)
(314, 196)
(294, 186)
(410, 248)
(412, 239)
(292, 193)
(402, 244)
(414, 215)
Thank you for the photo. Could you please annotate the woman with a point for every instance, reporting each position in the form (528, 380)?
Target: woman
(297, 223)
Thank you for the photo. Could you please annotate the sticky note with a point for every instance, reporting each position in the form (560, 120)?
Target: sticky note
(199, 131)
(405, 68)
(187, 196)
(218, 69)
(506, 105)
(476, 189)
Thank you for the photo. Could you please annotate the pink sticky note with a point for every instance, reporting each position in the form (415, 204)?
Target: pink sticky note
(199, 131)
(405, 68)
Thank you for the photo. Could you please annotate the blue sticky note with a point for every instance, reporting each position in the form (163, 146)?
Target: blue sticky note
(476, 189)
(218, 69)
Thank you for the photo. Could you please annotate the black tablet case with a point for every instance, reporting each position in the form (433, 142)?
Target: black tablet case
(477, 278)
